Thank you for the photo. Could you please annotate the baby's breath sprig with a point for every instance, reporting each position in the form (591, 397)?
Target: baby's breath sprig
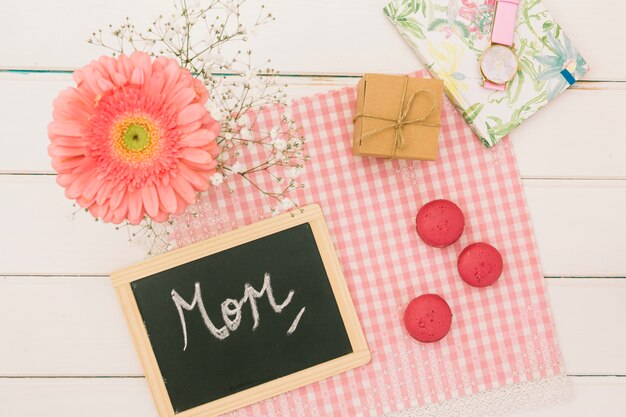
(206, 37)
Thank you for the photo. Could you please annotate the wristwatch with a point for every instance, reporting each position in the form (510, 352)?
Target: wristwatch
(498, 63)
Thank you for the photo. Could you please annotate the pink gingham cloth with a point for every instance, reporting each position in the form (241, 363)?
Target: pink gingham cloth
(501, 337)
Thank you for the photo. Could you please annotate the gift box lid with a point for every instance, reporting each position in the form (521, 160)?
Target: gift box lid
(385, 100)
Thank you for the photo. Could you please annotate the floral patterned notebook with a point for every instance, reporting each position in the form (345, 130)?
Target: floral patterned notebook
(450, 36)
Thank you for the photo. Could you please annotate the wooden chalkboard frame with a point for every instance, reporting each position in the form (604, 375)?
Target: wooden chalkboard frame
(312, 214)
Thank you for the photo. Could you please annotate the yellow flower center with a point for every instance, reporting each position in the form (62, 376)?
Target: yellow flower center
(135, 138)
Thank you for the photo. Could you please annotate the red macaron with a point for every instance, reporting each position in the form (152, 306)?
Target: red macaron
(480, 264)
(440, 223)
(428, 318)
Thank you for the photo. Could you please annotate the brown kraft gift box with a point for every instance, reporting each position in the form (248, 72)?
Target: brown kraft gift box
(397, 117)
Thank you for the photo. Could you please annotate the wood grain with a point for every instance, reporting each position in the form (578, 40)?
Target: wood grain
(557, 142)
(72, 326)
(297, 42)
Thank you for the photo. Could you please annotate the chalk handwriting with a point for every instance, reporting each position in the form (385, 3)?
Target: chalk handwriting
(231, 309)
(294, 325)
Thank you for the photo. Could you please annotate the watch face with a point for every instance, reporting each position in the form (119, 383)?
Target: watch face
(498, 64)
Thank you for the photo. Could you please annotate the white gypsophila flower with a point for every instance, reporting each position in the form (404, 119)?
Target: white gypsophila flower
(224, 156)
(248, 75)
(295, 142)
(274, 132)
(177, 23)
(217, 59)
(206, 58)
(286, 204)
(216, 112)
(231, 5)
(279, 144)
(244, 121)
(246, 134)
(254, 93)
(238, 168)
(217, 179)
(232, 124)
(294, 172)
(228, 135)
(254, 83)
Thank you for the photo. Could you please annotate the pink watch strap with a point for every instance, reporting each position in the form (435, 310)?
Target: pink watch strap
(504, 22)
(493, 86)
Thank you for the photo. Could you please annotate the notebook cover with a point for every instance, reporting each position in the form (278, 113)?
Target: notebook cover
(450, 36)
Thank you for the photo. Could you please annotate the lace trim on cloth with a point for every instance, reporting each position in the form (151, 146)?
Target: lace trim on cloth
(499, 401)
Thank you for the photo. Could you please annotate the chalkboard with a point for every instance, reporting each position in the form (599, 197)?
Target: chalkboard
(242, 317)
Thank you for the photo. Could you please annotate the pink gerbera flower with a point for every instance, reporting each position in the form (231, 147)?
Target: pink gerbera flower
(133, 138)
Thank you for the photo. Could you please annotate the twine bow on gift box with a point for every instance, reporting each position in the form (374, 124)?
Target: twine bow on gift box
(401, 121)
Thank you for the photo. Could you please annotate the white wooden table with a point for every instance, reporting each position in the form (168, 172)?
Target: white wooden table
(64, 347)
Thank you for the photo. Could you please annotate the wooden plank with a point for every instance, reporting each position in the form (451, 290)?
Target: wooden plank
(579, 135)
(556, 142)
(354, 35)
(576, 224)
(64, 326)
(41, 234)
(127, 397)
(73, 326)
(93, 397)
(587, 313)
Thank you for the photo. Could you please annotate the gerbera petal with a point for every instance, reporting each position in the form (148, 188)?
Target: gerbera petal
(117, 198)
(191, 114)
(62, 165)
(104, 193)
(85, 202)
(92, 188)
(64, 180)
(202, 167)
(63, 151)
(198, 138)
(97, 210)
(184, 189)
(119, 79)
(71, 141)
(182, 204)
(167, 197)
(172, 74)
(150, 200)
(137, 76)
(105, 85)
(182, 98)
(196, 155)
(78, 185)
(190, 128)
(120, 212)
(108, 216)
(135, 206)
(200, 182)
(65, 128)
(155, 85)
(160, 217)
